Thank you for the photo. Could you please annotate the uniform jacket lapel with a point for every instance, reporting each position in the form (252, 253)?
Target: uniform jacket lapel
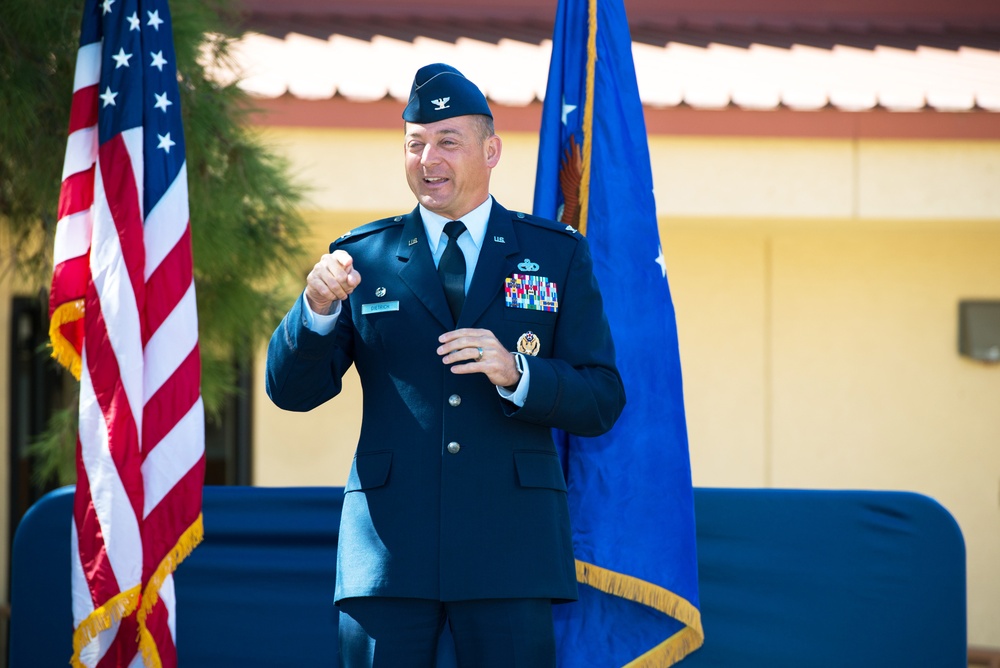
(496, 261)
(417, 269)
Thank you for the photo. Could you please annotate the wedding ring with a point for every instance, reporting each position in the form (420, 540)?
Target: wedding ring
(480, 358)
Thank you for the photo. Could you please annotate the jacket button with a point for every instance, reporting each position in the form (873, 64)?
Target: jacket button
(454, 447)
(454, 400)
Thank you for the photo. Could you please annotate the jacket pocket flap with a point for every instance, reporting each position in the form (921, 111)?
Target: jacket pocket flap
(539, 469)
(370, 470)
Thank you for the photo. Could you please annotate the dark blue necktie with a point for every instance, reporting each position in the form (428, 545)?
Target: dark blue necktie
(451, 268)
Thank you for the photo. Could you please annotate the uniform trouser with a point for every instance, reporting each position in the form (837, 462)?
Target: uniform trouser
(403, 633)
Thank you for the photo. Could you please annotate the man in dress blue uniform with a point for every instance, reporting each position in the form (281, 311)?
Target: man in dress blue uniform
(472, 339)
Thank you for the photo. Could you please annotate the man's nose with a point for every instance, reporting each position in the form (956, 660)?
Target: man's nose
(429, 155)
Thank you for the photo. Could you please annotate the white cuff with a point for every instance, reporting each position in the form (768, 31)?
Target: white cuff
(520, 393)
(316, 322)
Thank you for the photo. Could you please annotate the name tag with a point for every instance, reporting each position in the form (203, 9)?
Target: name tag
(379, 307)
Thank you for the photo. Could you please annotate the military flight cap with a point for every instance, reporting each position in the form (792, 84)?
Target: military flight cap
(440, 91)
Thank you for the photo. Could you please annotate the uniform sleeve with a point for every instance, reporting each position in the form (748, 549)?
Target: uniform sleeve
(578, 389)
(304, 368)
(319, 323)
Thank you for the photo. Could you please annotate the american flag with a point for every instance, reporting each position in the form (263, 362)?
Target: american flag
(123, 319)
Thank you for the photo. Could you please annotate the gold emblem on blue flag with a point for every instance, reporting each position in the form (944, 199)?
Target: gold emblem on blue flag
(535, 293)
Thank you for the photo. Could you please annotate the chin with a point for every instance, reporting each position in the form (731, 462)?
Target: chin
(433, 204)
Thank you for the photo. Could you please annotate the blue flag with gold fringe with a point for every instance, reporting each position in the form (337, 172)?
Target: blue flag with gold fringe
(630, 491)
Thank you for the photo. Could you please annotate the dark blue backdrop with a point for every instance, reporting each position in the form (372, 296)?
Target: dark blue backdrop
(788, 578)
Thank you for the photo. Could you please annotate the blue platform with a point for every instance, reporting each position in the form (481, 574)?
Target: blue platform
(788, 578)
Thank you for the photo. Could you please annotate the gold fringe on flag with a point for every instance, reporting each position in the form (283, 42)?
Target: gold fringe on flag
(102, 619)
(185, 545)
(62, 350)
(674, 648)
(670, 651)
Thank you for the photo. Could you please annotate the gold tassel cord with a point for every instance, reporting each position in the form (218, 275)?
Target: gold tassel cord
(588, 115)
(62, 350)
(147, 646)
(677, 607)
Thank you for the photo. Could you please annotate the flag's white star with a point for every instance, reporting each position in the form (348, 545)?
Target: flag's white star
(108, 97)
(133, 21)
(121, 58)
(162, 102)
(106, 7)
(155, 20)
(660, 260)
(158, 60)
(165, 142)
(566, 110)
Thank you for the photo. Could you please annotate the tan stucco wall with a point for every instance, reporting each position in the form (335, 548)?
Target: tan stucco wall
(827, 358)
(702, 177)
(816, 284)
(824, 179)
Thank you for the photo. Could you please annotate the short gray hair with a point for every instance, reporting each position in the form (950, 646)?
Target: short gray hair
(486, 127)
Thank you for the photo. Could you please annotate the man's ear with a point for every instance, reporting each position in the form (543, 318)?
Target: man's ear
(493, 149)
